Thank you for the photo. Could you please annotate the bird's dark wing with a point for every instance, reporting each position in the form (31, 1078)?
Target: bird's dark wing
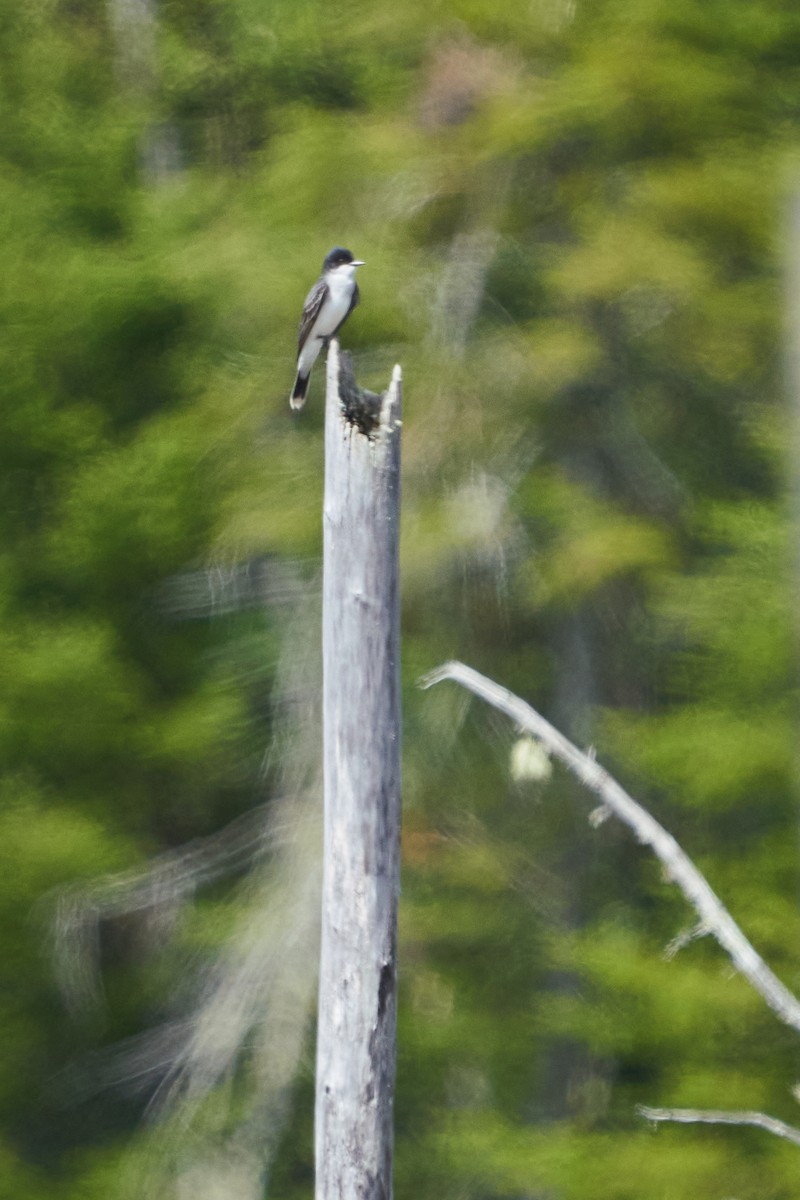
(314, 301)
(354, 300)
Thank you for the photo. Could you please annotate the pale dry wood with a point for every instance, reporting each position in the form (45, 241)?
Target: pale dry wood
(692, 1116)
(361, 717)
(714, 917)
(133, 25)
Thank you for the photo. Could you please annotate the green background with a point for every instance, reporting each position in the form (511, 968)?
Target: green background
(573, 216)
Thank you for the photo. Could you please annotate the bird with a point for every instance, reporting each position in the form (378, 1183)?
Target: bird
(328, 305)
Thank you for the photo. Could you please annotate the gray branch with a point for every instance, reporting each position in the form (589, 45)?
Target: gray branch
(691, 1116)
(159, 889)
(679, 868)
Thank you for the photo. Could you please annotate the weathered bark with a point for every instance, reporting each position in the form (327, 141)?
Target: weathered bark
(694, 1116)
(361, 716)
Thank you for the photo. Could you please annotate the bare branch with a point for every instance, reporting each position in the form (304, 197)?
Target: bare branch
(691, 1116)
(679, 868)
(683, 939)
(159, 888)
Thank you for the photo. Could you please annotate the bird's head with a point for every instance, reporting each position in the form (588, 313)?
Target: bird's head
(340, 259)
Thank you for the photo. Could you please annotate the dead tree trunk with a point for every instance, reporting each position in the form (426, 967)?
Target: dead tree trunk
(134, 28)
(361, 717)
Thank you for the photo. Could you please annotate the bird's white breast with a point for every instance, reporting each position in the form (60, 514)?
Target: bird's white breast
(341, 282)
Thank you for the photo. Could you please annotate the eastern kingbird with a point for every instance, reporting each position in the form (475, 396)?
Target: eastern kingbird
(328, 305)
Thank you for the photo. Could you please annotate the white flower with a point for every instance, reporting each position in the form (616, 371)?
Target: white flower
(530, 762)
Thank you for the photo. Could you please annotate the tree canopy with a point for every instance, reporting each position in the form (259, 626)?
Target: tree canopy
(572, 217)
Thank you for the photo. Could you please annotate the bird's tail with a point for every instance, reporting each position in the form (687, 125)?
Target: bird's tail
(298, 396)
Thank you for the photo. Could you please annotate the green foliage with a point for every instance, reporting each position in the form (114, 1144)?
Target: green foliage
(571, 221)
